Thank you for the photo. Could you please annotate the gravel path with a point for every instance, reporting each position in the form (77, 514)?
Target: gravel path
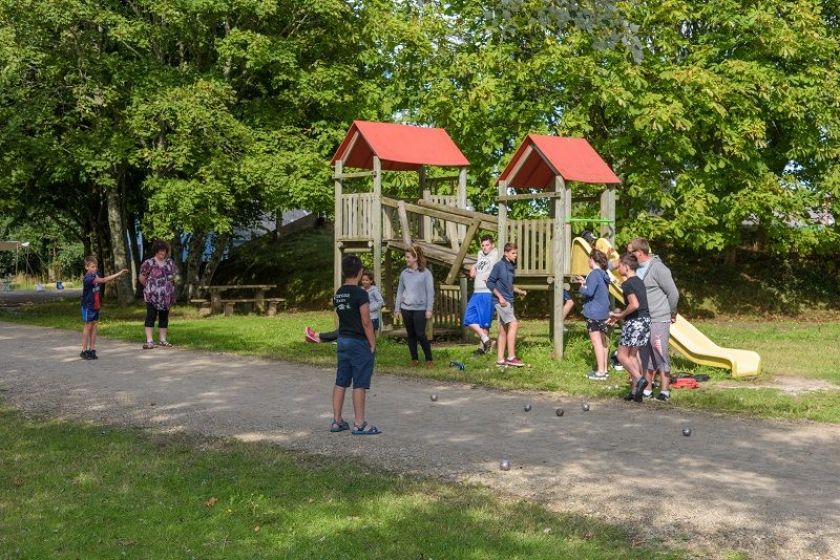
(770, 489)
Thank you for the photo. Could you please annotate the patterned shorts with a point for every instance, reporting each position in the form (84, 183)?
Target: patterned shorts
(635, 332)
(596, 325)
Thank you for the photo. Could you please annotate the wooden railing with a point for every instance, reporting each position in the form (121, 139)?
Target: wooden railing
(448, 312)
(357, 213)
(439, 231)
(534, 240)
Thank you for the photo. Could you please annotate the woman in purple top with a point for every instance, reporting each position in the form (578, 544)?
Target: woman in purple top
(157, 275)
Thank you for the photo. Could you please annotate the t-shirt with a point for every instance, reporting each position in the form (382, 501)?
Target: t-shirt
(483, 266)
(635, 285)
(91, 295)
(348, 301)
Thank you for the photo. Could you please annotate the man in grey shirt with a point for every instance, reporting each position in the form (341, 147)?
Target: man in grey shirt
(662, 296)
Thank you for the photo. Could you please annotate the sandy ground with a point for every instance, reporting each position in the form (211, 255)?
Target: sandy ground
(770, 489)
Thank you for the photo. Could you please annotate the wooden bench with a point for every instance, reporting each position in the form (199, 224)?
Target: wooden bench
(271, 311)
(204, 307)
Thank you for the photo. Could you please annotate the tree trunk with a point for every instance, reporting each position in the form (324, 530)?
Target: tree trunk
(176, 254)
(116, 228)
(196, 251)
(219, 245)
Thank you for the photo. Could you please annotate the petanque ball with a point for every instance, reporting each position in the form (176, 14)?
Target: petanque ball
(434, 398)
(585, 407)
(559, 412)
(686, 432)
(504, 465)
(527, 408)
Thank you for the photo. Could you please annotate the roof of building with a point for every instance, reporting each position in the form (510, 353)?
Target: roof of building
(400, 147)
(540, 158)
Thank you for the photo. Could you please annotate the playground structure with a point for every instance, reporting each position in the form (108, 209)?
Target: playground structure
(378, 221)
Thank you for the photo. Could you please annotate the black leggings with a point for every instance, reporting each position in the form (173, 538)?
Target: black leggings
(415, 328)
(152, 313)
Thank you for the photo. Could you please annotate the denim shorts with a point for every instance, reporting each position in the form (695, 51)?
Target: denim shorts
(355, 363)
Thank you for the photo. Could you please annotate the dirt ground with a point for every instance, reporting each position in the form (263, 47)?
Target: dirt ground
(769, 489)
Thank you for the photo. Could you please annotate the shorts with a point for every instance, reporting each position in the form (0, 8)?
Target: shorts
(479, 310)
(635, 332)
(355, 363)
(506, 314)
(90, 315)
(654, 355)
(596, 325)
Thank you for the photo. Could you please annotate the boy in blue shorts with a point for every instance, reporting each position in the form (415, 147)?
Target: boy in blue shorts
(479, 313)
(91, 299)
(356, 348)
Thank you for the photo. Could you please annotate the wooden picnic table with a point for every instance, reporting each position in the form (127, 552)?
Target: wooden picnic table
(216, 304)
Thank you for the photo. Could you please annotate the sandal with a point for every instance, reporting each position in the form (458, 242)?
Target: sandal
(365, 430)
(164, 344)
(502, 364)
(339, 426)
(148, 345)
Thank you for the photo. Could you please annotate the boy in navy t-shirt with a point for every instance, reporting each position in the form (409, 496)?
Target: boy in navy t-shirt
(356, 348)
(91, 301)
(635, 333)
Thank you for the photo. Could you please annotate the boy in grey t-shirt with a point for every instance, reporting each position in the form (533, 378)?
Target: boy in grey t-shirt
(479, 313)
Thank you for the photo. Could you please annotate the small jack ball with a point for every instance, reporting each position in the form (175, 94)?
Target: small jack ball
(559, 412)
(527, 408)
(504, 465)
(686, 432)
(585, 407)
(434, 398)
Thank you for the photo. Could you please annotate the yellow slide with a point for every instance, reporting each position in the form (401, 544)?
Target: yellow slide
(685, 337)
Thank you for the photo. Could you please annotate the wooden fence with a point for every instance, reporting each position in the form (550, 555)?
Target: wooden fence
(534, 241)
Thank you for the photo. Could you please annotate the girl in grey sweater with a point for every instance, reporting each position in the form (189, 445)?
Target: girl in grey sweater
(415, 300)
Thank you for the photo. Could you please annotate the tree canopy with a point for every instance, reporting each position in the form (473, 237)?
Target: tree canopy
(184, 119)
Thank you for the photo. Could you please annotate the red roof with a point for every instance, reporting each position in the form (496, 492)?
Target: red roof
(540, 158)
(400, 147)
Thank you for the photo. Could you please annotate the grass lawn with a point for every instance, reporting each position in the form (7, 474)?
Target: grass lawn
(788, 348)
(82, 491)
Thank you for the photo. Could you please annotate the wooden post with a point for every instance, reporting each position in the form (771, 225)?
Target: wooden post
(461, 200)
(388, 287)
(501, 233)
(608, 213)
(337, 225)
(377, 218)
(426, 221)
(557, 264)
(465, 331)
(462, 253)
(403, 217)
(568, 231)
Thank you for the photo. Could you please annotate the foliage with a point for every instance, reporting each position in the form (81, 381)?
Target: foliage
(730, 117)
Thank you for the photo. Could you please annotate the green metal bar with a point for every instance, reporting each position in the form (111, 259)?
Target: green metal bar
(570, 220)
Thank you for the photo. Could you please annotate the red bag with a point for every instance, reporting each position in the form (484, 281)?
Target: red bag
(685, 383)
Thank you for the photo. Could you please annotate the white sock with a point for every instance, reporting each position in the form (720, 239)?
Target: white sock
(484, 338)
(647, 393)
(667, 393)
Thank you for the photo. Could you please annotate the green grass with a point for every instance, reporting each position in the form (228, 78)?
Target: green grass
(82, 491)
(787, 349)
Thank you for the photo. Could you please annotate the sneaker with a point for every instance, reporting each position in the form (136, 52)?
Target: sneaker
(639, 389)
(595, 376)
(664, 397)
(514, 362)
(487, 344)
(616, 365)
(479, 352)
(629, 396)
(311, 336)
(92, 355)
(501, 364)
(84, 355)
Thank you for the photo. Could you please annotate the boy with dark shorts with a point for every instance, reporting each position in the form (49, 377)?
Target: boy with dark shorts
(635, 332)
(91, 302)
(356, 348)
(501, 285)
